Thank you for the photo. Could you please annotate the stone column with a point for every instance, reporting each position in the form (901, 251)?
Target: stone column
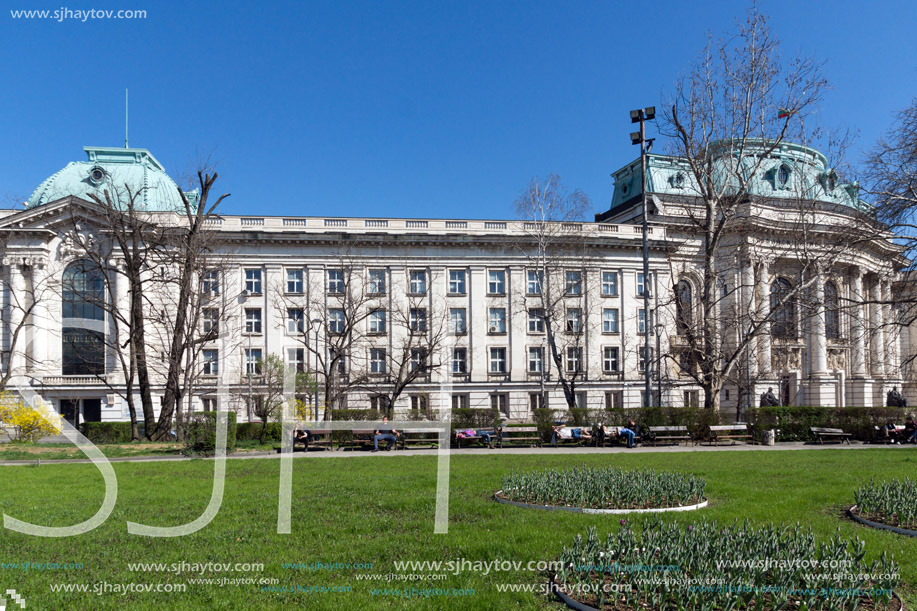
(748, 303)
(18, 301)
(42, 334)
(858, 328)
(878, 335)
(818, 344)
(890, 332)
(764, 338)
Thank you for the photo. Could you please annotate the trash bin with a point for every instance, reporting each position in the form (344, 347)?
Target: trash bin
(770, 437)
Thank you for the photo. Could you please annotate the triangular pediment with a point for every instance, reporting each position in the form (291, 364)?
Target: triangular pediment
(54, 216)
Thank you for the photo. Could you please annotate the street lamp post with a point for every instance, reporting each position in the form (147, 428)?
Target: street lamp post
(314, 325)
(641, 115)
(658, 329)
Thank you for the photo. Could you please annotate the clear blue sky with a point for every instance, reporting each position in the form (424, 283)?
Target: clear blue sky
(420, 109)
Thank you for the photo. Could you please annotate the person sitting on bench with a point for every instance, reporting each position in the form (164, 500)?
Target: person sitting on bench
(891, 431)
(565, 432)
(384, 433)
(302, 437)
(628, 433)
(487, 437)
(910, 430)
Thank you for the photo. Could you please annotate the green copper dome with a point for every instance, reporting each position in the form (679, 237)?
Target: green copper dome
(114, 169)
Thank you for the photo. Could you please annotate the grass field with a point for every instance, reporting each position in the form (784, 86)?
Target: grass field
(63, 451)
(377, 510)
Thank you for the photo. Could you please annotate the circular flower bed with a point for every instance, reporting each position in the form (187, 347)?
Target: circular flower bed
(671, 567)
(603, 489)
(891, 505)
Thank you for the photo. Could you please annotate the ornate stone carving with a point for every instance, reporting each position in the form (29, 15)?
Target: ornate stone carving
(836, 360)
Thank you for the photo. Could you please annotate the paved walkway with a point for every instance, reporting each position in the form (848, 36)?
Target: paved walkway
(575, 450)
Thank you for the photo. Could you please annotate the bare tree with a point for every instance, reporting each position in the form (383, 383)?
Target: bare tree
(556, 297)
(268, 397)
(727, 117)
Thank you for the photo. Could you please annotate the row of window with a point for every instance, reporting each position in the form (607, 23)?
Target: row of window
(378, 360)
(417, 321)
(417, 282)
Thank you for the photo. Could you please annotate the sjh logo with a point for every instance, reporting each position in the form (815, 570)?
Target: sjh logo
(14, 597)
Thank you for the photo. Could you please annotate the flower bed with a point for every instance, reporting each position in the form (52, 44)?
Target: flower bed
(892, 503)
(705, 566)
(603, 488)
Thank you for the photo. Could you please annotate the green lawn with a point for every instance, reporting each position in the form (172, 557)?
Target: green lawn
(379, 509)
(63, 451)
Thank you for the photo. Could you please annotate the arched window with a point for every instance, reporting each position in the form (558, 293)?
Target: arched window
(783, 176)
(783, 310)
(83, 320)
(683, 307)
(832, 312)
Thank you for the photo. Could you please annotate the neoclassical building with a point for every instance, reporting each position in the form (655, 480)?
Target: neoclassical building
(477, 294)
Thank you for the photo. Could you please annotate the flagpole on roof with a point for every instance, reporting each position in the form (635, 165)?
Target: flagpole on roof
(125, 118)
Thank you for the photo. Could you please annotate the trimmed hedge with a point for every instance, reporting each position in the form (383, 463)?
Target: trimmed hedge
(106, 432)
(792, 423)
(248, 431)
(201, 434)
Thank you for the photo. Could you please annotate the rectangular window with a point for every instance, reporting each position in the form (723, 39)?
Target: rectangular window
(614, 399)
(209, 404)
(609, 284)
(641, 284)
(253, 361)
(574, 283)
(460, 360)
(610, 360)
(459, 401)
(581, 399)
(536, 359)
(377, 361)
(641, 358)
(253, 281)
(335, 282)
(456, 282)
(296, 320)
(641, 320)
(497, 360)
(533, 282)
(418, 281)
(419, 360)
(496, 320)
(253, 320)
(574, 359)
(211, 321)
(210, 283)
(574, 320)
(536, 401)
(211, 362)
(294, 281)
(296, 359)
(420, 404)
(609, 320)
(379, 403)
(496, 282)
(500, 403)
(377, 282)
(690, 398)
(536, 320)
(337, 321)
(418, 320)
(457, 321)
(377, 322)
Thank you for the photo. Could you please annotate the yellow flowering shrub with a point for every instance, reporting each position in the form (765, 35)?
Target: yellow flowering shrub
(26, 423)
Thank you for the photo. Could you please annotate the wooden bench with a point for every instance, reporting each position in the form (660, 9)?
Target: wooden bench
(880, 437)
(520, 434)
(728, 432)
(316, 439)
(603, 436)
(418, 437)
(362, 438)
(821, 434)
(585, 431)
(479, 439)
(674, 434)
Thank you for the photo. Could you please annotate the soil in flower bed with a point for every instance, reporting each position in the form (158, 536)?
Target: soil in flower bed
(893, 503)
